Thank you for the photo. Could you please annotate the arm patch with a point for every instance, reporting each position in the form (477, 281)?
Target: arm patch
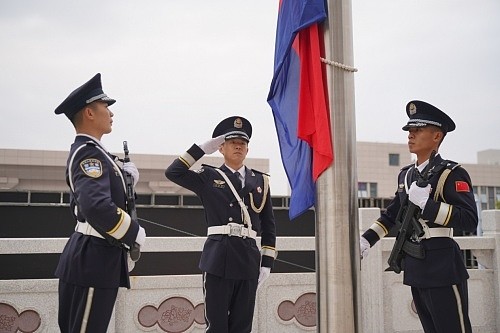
(91, 167)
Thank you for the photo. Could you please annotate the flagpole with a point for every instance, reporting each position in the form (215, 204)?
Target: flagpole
(337, 235)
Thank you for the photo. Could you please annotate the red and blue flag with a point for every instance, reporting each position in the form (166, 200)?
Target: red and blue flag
(299, 99)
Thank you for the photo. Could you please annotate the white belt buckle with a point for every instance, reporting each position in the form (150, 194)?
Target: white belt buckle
(236, 230)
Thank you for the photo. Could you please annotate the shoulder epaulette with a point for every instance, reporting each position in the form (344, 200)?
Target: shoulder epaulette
(407, 167)
(448, 164)
(208, 166)
(262, 173)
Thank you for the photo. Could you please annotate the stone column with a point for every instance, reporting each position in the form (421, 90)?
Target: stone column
(491, 228)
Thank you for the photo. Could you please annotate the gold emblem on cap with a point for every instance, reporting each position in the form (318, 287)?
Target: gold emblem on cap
(238, 123)
(413, 109)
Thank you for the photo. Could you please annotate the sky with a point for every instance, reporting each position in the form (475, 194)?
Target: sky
(176, 68)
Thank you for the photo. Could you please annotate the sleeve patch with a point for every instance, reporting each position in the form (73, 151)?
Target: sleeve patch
(92, 167)
(461, 186)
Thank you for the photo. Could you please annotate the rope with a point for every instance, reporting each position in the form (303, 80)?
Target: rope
(339, 65)
(190, 234)
(167, 227)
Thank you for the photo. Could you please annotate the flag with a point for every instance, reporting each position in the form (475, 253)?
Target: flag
(298, 98)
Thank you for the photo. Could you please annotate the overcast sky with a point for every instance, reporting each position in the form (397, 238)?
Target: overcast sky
(177, 68)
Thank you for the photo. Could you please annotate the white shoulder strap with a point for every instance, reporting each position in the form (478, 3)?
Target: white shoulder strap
(244, 209)
(70, 174)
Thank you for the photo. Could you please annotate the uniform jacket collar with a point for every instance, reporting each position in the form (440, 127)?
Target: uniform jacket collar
(250, 179)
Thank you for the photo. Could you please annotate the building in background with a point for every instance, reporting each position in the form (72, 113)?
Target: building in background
(378, 165)
(36, 171)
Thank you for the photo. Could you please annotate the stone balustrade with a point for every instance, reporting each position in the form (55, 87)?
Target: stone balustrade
(285, 303)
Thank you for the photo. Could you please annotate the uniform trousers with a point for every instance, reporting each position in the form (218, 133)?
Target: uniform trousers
(229, 304)
(443, 309)
(84, 309)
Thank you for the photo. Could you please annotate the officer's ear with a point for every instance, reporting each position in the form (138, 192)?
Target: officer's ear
(220, 148)
(88, 112)
(438, 136)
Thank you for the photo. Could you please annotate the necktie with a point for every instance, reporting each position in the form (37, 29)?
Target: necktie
(236, 181)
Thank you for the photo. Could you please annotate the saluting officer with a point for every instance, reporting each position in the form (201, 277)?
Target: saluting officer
(439, 280)
(237, 202)
(93, 264)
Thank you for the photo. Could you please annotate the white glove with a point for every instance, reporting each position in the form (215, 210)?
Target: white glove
(212, 145)
(419, 195)
(264, 274)
(364, 246)
(141, 237)
(132, 170)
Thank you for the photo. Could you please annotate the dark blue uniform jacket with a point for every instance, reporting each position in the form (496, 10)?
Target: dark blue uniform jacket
(224, 256)
(443, 264)
(100, 198)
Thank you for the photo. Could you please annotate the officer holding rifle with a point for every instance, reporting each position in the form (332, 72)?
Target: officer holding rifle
(432, 261)
(93, 264)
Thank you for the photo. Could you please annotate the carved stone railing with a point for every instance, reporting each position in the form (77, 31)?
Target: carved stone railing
(285, 303)
(174, 303)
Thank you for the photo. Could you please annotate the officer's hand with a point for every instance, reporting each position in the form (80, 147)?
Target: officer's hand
(419, 195)
(132, 170)
(364, 246)
(264, 274)
(212, 145)
(141, 237)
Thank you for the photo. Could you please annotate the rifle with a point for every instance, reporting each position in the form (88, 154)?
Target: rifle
(409, 226)
(134, 251)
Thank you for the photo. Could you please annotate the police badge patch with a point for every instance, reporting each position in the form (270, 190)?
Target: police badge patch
(92, 167)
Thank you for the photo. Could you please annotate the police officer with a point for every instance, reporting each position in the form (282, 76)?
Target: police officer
(439, 280)
(237, 202)
(93, 263)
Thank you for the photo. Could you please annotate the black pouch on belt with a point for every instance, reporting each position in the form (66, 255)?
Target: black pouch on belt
(414, 250)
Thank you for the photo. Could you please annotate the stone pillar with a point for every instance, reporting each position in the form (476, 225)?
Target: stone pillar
(491, 228)
(372, 293)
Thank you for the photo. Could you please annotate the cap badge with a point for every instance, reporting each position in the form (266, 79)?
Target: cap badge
(413, 109)
(238, 123)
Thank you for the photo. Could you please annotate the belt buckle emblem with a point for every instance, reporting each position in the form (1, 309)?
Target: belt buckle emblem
(238, 230)
(234, 229)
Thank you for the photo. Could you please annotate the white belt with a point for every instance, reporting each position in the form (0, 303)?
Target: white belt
(232, 229)
(86, 229)
(438, 232)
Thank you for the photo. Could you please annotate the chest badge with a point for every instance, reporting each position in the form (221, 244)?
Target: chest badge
(219, 183)
(92, 167)
(259, 190)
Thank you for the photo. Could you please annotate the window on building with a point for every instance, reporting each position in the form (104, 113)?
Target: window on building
(362, 190)
(497, 202)
(491, 197)
(482, 194)
(373, 190)
(394, 159)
